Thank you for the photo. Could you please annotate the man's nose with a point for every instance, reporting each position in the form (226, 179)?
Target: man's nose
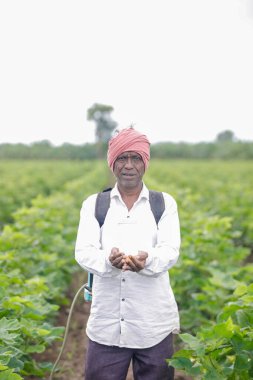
(129, 162)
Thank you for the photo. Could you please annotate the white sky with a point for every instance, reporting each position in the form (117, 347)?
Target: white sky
(180, 70)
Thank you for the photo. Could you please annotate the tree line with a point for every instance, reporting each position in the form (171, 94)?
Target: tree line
(226, 145)
(226, 150)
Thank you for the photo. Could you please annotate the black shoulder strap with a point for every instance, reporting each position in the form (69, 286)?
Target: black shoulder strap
(102, 205)
(157, 204)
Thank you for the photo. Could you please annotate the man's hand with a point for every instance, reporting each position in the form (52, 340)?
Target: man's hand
(116, 258)
(135, 263)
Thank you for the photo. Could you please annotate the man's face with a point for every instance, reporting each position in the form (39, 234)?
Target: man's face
(129, 169)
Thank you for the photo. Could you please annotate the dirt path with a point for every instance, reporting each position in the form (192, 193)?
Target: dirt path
(71, 364)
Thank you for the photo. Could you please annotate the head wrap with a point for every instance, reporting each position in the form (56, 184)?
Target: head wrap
(128, 139)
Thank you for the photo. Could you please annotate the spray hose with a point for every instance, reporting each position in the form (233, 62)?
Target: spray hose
(86, 286)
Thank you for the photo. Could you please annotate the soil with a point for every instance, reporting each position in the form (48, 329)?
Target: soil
(71, 364)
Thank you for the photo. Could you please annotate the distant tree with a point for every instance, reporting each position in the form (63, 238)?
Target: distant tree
(101, 115)
(225, 136)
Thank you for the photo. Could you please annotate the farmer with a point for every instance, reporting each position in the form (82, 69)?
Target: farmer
(133, 312)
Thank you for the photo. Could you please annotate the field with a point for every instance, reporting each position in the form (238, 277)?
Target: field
(212, 282)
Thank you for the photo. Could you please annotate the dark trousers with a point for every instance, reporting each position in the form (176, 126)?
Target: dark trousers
(112, 362)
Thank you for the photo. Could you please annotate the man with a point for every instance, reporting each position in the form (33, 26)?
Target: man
(133, 312)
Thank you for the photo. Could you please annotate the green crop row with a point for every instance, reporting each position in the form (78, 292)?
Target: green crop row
(21, 181)
(213, 279)
(215, 187)
(37, 263)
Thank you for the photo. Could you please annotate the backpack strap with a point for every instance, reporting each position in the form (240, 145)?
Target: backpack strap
(102, 205)
(103, 200)
(157, 204)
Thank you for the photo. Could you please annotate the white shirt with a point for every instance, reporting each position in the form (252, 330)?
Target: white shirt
(129, 309)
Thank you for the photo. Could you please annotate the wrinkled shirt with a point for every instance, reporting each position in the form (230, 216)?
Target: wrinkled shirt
(129, 309)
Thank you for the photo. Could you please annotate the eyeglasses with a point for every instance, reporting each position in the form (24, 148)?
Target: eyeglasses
(123, 159)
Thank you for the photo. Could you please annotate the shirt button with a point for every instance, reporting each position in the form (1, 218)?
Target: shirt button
(123, 299)
(123, 280)
(122, 319)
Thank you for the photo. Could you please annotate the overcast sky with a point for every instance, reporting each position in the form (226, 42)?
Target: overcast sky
(179, 70)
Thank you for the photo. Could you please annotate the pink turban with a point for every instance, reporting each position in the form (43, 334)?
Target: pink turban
(128, 140)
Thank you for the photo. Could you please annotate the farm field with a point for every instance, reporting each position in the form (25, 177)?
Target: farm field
(212, 281)
(23, 180)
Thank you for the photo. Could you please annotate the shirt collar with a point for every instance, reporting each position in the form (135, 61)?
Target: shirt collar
(143, 194)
